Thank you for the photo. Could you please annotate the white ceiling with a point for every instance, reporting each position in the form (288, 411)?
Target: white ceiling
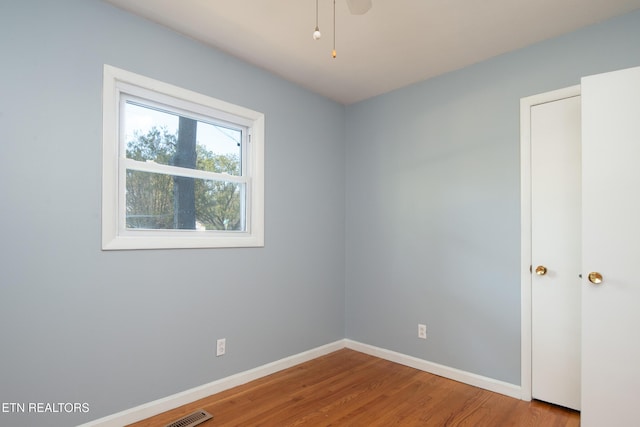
(396, 43)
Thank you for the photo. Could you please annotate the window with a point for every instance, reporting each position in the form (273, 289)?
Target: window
(180, 169)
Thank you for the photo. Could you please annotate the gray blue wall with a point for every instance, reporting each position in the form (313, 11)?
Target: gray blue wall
(430, 172)
(122, 328)
(433, 201)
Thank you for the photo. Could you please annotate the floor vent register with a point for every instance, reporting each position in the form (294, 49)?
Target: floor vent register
(191, 420)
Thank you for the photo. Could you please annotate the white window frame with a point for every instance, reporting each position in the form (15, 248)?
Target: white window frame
(119, 84)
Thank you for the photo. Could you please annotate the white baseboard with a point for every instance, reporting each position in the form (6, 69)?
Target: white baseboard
(475, 380)
(171, 402)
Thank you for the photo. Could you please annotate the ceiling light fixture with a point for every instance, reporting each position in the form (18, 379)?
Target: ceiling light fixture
(316, 33)
(359, 7)
(356, 7)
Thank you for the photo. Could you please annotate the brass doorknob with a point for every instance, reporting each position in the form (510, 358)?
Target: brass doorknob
(595, 278)
(541, 270)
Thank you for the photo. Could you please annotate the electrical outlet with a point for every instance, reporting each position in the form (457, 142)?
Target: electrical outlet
(221, 346)
(422, 331)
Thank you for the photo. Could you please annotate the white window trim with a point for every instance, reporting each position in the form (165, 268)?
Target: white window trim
(114, 234)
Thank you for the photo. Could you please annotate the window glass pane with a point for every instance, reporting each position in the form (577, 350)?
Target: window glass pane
(165, 202)
(149, 200)
(152, 134)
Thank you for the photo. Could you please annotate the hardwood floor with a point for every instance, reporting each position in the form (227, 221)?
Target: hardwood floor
(348, 388)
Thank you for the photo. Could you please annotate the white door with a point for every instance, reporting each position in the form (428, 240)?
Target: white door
(611, 247)
(556, 251)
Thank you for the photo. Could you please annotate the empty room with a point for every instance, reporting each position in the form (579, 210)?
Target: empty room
(301, 212)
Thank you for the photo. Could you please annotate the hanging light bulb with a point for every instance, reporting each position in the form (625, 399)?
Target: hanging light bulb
(316, 33)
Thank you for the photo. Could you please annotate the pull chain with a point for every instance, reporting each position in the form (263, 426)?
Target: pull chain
(333, 53)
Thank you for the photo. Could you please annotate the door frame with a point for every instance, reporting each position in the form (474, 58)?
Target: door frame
(525, 226)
